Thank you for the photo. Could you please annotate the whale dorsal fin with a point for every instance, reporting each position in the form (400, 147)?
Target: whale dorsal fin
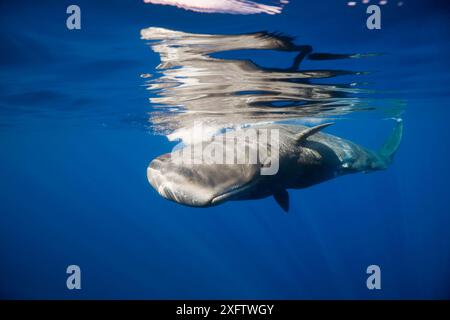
(282, 198)
(300, 137)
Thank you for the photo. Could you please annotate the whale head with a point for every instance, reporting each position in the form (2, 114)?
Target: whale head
(203, 185)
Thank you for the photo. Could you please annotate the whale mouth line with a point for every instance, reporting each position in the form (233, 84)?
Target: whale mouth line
(229, 194)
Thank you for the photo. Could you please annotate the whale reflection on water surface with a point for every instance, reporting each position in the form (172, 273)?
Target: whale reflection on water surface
(196, 85)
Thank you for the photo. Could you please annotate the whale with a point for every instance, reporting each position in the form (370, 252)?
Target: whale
(306, 156)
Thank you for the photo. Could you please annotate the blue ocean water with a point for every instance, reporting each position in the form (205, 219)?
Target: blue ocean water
(75, 144)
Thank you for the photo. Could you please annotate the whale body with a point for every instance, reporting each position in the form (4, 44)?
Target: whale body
(306, 156)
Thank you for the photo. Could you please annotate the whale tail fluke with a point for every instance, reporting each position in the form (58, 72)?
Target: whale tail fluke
(390, 147)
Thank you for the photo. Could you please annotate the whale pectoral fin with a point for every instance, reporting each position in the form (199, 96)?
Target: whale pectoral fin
(300, 137)
(282, 198)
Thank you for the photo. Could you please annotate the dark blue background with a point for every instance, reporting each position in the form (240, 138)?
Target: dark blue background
(74, 151)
